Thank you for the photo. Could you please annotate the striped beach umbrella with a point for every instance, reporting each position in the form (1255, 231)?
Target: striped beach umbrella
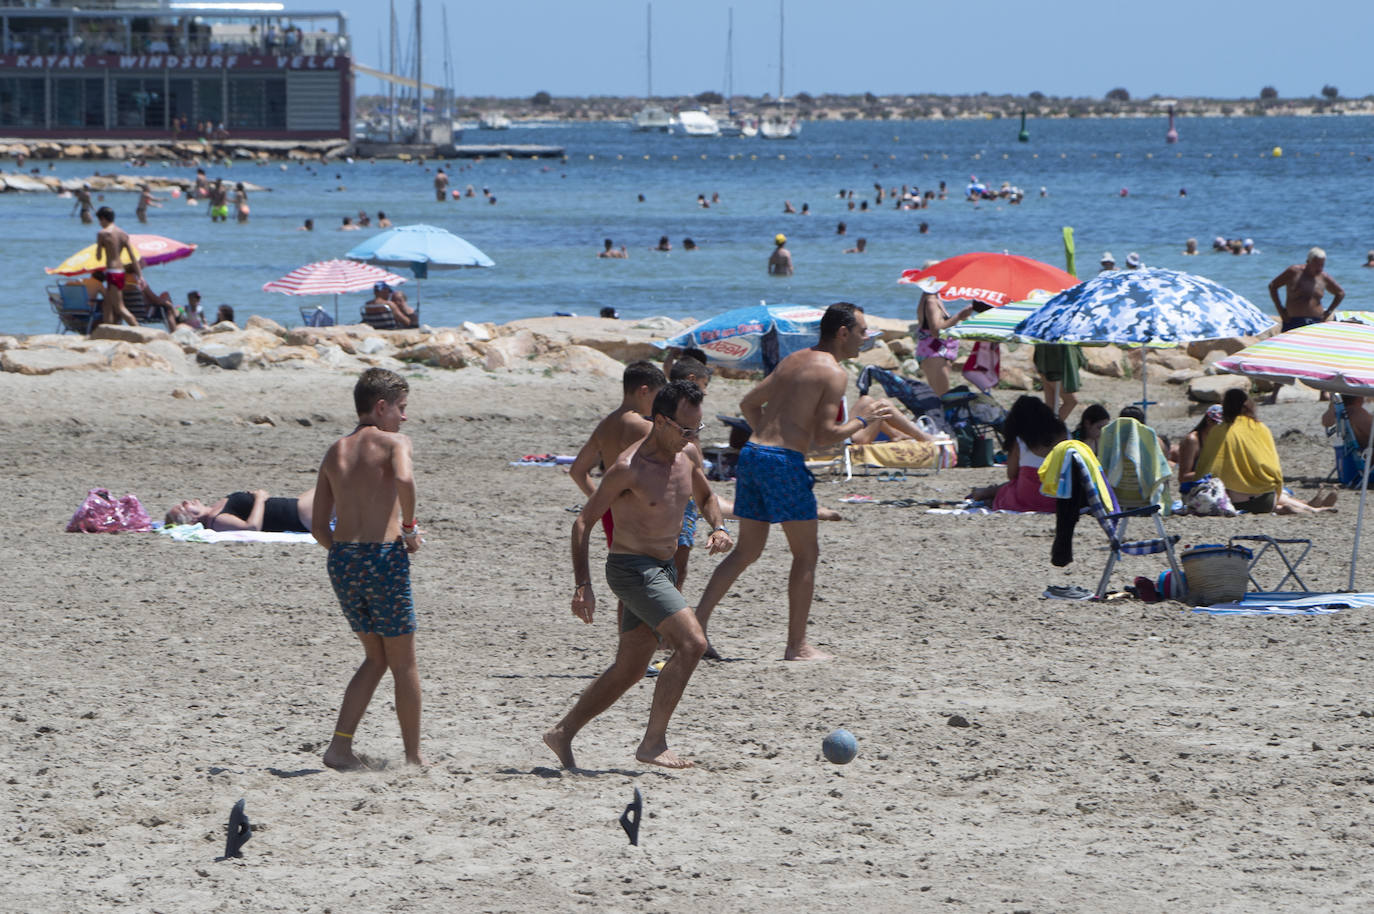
(152, 250)
(332, 277)
(996, 324)
(1335, 356)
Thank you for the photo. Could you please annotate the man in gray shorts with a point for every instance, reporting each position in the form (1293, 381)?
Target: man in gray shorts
(646, 491)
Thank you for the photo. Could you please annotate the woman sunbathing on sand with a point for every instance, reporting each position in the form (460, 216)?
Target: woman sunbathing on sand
(248, 511)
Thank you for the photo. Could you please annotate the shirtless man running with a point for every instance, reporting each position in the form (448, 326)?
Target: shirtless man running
(647, 490)
(111, 242)
(1306, 284)
(794, 409)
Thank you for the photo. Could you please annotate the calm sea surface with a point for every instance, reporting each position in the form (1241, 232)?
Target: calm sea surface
(550, 217)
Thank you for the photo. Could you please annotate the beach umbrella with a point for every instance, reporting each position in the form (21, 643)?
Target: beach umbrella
(996, 324)
(1147, 307)
(152, 250)
(993, 279)
(755, 338)
(1332, 356)
(419, 248)
(332, 277)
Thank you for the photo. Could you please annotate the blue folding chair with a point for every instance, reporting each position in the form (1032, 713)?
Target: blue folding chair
(74, 308)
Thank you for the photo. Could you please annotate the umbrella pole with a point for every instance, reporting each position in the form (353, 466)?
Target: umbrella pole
(336, 308)
(1359, 515)
(1144, 385)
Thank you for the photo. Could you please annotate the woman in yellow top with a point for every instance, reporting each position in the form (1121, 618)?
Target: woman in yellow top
(1240, 452)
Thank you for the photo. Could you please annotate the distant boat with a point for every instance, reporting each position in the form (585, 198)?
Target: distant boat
(696, 123)
(780, 120)
(1172, 135)
(494, 120)
(651, 117)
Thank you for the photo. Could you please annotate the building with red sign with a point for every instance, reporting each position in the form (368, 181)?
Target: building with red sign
(158, 69)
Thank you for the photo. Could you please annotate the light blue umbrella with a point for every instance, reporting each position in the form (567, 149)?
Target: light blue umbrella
(1147, 307)
(755, 338)
(419, 248)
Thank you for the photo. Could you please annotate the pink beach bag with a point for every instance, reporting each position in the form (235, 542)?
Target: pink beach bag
(101, 512)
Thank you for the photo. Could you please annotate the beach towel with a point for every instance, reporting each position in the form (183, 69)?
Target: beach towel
(1241, 454)
(1056, 473)
(195, 533)
(907, 453)
(543, 460)
(1296, 604)
(1128, 447)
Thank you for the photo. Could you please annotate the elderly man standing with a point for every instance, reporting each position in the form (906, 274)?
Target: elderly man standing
(1306, 284)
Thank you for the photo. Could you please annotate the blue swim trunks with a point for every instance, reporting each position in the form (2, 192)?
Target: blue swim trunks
(773, 485)
(372, 582)
(688, 536)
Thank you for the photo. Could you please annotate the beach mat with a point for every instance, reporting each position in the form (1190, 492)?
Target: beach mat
(1289, 604)
(195, 533)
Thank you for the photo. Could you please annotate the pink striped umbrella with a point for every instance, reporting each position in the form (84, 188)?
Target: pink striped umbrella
(332, 277)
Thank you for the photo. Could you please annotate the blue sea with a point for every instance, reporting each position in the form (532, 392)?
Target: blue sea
(550, 216)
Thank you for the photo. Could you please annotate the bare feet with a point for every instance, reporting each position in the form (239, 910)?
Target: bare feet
(662, 756)
(343, 760)
(711, 653)
(806, 652)
(561, 746)
(828, 514)
(417, 760)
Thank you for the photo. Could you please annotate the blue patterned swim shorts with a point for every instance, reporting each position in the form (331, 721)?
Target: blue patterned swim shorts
(688, 536)
(372, 581)
(773, 485)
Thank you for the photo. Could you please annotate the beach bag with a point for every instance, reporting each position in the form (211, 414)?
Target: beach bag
(1216, 573)
(983, 367)
(1208, 498)
(101, 512)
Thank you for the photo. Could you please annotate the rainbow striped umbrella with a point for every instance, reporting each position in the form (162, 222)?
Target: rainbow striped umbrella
(996, 324)
(152, 250)
(1334, 356)
(332, 277)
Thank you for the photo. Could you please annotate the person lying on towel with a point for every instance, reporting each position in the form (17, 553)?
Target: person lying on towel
(248, 511)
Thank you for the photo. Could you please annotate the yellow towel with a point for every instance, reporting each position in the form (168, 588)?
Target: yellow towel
(1241, 454)
(1056, 480)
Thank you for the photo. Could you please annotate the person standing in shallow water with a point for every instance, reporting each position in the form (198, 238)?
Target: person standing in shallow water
(780, 261)
(646, 490)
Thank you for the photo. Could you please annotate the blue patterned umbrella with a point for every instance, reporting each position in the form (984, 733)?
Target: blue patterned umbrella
(1147, 307)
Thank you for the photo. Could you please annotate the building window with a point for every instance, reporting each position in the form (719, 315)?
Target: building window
(78, 102)
(209, 101)
(257, 102)
(139, 102)
(21, 101)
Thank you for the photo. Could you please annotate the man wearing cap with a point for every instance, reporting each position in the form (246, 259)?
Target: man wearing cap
(383, 303)
(1306, 284)
(780, 261)
(1108, 262)
(1133, 261)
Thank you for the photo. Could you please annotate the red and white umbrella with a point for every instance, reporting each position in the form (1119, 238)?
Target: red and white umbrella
(993, 279)
(332, 277)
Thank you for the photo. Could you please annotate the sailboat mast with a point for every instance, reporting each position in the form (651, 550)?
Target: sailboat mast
(419, 79)
(730, 62)
(780, 48)
(649, 45)
(448, 72)
(391, 84)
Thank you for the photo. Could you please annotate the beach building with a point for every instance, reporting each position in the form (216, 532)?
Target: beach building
(155, 69)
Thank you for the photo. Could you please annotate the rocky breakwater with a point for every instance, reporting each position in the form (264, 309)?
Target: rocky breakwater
(176, 150)
(18, 182)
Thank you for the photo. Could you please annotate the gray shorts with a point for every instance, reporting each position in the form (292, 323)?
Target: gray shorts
(646, 585)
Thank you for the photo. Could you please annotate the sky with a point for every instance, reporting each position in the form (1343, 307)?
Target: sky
(1064, 47)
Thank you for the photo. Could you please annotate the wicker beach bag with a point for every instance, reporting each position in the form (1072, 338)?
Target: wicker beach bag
(1216, 573)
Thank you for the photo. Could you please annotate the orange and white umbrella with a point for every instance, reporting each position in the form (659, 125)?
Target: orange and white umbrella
(151, 249)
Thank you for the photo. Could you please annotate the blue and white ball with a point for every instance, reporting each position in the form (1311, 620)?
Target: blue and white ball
(840, 747)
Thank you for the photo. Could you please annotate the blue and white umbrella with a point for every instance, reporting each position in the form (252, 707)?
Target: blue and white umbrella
(419, 248)
(1150, 307)
(755, 338)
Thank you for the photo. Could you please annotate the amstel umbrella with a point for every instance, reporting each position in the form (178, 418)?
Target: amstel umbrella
(1146, 307)
(1332, 356)
(993, 279)
(332, 277)
(419, 248)
(152, 250)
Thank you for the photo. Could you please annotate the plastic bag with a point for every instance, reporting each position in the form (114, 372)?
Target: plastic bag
(1208, 498)
(101, 512)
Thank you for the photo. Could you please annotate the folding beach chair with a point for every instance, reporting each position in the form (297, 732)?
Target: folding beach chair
(143, 311)
(1349, 455)
(378, 317)
(1131, 453)
(1113, 522)
(75, 311)
(316, 317)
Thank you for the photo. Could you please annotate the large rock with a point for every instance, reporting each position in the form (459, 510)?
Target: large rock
(10, 342)
(892, 328)
(1106, 361)
(257, 321)
(375, 346)
(1211, 388)
(1172, 359)
(169, 352)
(440, 355)
(880, 356)
(219, 354)
(1016, 377)
(335, 357)
(1297, 393)
(293, 354)
(515, 351)
(620, 340)
(584, 360)
(340, 336)
(47, 361)
(187, 339)
(1183, 375)
(1202, 348)
(252, 341)
(127, 334)
(126, 356)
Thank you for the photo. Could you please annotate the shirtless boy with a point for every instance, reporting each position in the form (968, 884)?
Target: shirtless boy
(440, 186)
(1306, 284)
(366, 482)
(698, 373)
(646, 490)
(111, 242)
(794, 409)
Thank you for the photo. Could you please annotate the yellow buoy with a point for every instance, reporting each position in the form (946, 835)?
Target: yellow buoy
(1277, 152)
(674, 158)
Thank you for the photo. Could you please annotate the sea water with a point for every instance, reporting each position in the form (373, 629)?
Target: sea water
(550, 216)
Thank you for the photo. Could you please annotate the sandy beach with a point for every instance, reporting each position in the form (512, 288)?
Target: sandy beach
(1119, 756)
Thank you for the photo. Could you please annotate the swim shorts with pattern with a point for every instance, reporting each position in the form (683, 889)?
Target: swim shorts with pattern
(688, 536)
(646, 585)
(372, 582)
(773, 485)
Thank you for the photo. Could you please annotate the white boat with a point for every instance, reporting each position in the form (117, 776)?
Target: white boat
(696, 123)
(494, 120)
(780, 120)
(652, 117)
